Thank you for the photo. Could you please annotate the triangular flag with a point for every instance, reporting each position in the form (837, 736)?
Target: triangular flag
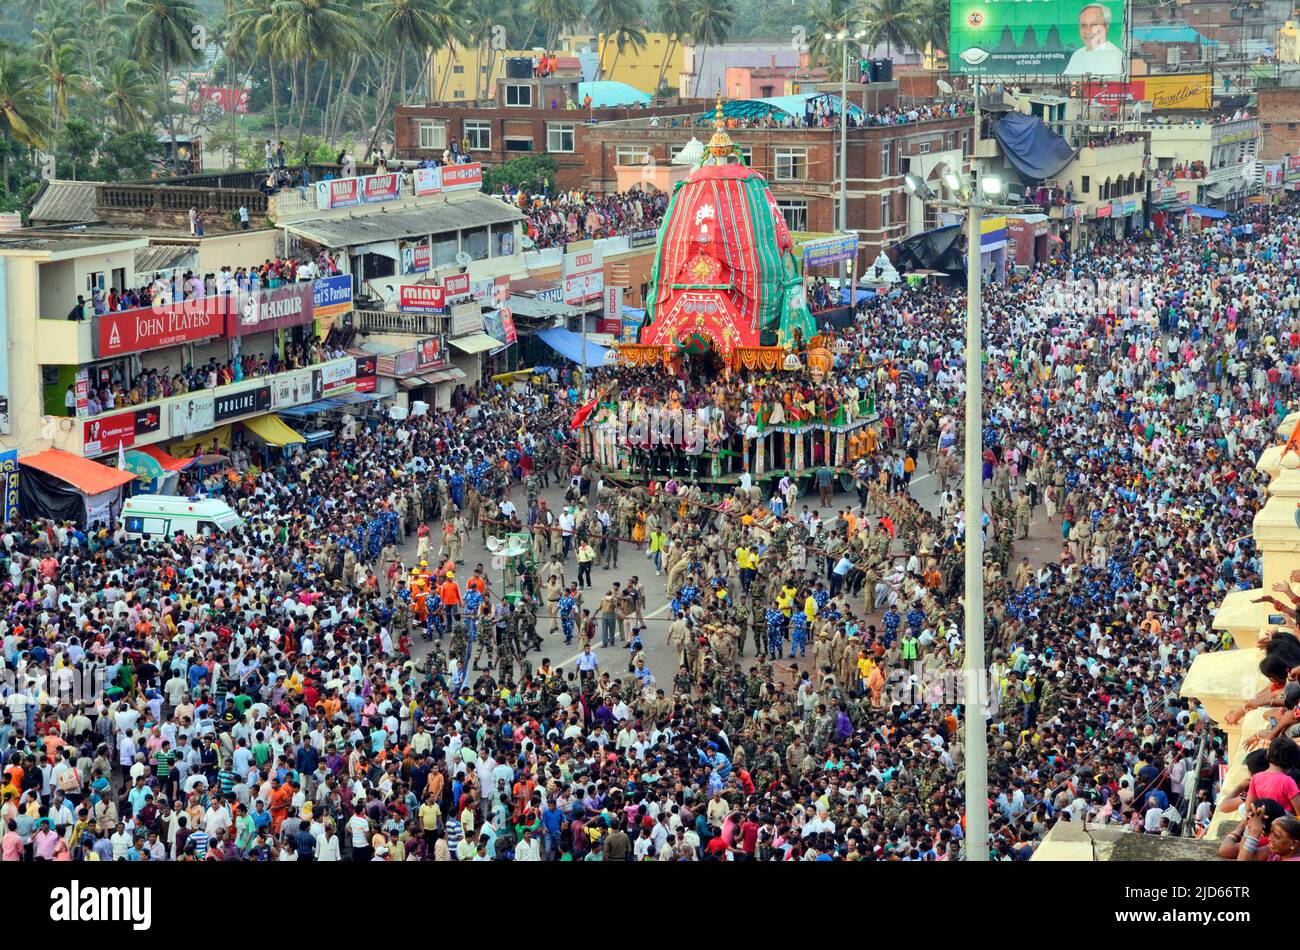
(1293, 443)
(581, 415)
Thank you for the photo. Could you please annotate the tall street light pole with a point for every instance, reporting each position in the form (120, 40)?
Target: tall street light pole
(977, 779)
(844, 38)
(971, 199)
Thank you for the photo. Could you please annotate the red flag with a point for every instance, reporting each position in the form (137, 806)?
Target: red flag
(580, 417)
(1293, 443)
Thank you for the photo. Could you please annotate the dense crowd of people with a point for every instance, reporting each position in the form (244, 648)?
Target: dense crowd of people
(580, 216)
(297, 689)
(823, 113)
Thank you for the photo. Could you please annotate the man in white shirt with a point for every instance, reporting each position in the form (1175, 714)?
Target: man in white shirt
(527, 849)
(1098, 56)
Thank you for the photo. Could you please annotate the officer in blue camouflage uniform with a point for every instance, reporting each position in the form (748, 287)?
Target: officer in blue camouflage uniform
(775, 626)
(798, 633)
(568, 607)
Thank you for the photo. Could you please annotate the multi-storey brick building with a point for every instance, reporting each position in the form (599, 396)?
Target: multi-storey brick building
(802, 163)
(528, 116)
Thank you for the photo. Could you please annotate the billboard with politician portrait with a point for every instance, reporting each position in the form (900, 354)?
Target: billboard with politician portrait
(1076, 38)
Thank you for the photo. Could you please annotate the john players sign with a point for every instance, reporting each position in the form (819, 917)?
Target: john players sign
(228, 406)
(149, 328)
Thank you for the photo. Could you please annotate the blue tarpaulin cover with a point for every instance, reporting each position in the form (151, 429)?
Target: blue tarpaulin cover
(569, 345)
(1212, 213)
(1031, 147)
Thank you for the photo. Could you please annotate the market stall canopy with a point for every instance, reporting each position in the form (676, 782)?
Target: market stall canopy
(569, 345)
(85, 475)
(1212, 213)
(476, 343)
(776, 106)
(1034, 150)
(152, 461)
(272, 431)
(56, 484)
(606, 93)
(219, 436)
(939, 249)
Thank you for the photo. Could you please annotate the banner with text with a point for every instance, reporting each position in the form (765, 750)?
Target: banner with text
(1037, 38)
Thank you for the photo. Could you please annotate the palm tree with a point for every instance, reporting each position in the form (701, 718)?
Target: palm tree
(164, 33)
(710, 22)
(933, 17)
(616, 19)
(23, 111)
(252, 36)
(558, 16)
(675, 21)
(828, 18)
(123, 92)
(60, 69)
(890, 22)
(408, 24)
(305, 31)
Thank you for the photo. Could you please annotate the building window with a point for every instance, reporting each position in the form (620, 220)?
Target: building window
(457, 69)
(885, 168)
(923, 148)
(458, 93)
(767, 91)
(632, 155)
(475, 243)
(795, 213)
(1084, 184)
(884, 211)
(519, 145)
(791, 164)
(559, 137)
(479, 135)
(433, 135)
(965, 142)
(445, 248)
(521, 96)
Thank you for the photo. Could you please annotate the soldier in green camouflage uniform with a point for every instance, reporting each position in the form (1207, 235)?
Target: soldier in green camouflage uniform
(459, 642)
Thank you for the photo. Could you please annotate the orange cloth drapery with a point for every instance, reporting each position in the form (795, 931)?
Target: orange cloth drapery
(758, 357)
(640, 354)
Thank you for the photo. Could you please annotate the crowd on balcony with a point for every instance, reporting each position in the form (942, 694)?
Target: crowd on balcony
(553, 221)
(153, 384)
(190, 285)
(824, 114)
(1190, 170)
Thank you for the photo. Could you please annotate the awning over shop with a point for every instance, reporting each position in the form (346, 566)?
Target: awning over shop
(272, 431)
(150, 462)
(167, 462)
(324, 405)
(56, 484)
(85, 475)
(432, 379)
(1212, 213)
(569, 345)
(476, 343)
(536, 308)
(188, 447)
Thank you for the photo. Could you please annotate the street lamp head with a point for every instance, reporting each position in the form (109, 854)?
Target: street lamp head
(991, 185)
(830, 36)
(952, 180)
(858, 35)
(917, 187)
(842, 35)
